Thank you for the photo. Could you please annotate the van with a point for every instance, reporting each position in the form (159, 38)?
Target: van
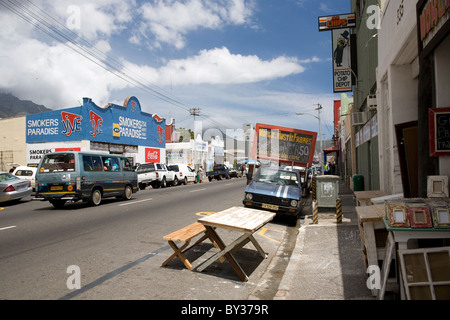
(90, 177)
(183, 173)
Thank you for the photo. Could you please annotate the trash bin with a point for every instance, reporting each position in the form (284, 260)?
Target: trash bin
(327, 190)
(358, 182)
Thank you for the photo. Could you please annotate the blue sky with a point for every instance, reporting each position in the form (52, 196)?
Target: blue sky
(240, 61)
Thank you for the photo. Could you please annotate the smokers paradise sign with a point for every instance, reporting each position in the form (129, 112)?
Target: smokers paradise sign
(116, 124)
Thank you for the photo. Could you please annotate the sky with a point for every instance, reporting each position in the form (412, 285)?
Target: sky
(239, 61)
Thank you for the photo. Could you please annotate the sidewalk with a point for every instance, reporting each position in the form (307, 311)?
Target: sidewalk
(327, 261)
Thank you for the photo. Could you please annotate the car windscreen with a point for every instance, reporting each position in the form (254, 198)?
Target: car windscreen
(7, 177)
(61, 162)
(274, 176)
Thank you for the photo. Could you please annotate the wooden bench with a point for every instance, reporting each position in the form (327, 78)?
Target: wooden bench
(185, 235)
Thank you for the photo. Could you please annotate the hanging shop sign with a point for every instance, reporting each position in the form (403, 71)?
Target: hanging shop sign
(282, 144)
(433, 14)
(439, 120)
(125, 124)
(342, 61)
(337, 21)
(340, 25)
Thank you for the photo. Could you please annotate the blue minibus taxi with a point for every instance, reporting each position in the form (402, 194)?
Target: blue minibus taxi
(90, 177)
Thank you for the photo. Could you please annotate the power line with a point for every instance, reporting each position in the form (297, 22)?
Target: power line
(39, 19)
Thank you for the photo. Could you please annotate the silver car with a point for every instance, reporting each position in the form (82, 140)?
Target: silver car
(13, 188)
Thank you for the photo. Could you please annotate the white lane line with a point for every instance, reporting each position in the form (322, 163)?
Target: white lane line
(198, 190)
(134, 202)
(5, 228)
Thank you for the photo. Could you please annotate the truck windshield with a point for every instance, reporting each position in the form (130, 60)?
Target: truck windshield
(274, 176)
(58, 163)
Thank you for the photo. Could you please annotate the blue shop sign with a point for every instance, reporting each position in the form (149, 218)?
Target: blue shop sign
(125, 124)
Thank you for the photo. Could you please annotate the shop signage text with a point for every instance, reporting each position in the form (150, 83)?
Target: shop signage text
(337, 21)
(431, 15)
(112, 124)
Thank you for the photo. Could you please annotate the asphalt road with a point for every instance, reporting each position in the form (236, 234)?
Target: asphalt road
(117, 248)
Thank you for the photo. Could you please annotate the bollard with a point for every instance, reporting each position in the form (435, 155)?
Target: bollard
(338, 210)
(315, 207)
(314, 182)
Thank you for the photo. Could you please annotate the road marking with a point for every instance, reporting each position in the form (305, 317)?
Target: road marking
(5, 228)
(204, 214)
(263, 231)
(198, 190)
(134, 202)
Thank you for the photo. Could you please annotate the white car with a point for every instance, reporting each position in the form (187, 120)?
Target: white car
(183, 173)
(26, 173)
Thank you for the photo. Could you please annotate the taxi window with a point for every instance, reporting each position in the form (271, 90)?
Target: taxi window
(61, 162)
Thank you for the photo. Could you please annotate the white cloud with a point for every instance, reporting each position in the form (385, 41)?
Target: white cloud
(169, 21)
(219, 66)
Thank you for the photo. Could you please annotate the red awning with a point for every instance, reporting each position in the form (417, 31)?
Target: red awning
(332, 149)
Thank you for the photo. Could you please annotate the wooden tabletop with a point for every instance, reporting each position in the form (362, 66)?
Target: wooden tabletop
(366, 195)
(371, 213)
(239, 218)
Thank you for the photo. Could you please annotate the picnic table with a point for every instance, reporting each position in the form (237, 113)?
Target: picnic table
(240, 219)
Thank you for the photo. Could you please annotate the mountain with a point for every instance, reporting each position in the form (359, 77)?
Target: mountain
(11, 106)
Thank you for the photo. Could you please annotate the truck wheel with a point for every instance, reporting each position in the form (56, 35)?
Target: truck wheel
(163, 182)
(175, 181)
(96, 197)
(185, 181)
(142, 186)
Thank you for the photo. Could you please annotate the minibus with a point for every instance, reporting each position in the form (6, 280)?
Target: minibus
(90, 177)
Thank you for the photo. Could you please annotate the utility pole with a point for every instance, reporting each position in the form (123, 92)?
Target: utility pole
(319, 107)
(194, 112)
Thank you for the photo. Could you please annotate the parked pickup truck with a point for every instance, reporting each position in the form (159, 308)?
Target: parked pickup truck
(219, 171)
(154, 174)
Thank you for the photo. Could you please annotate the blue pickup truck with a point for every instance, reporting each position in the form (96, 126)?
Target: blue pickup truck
(219, 171)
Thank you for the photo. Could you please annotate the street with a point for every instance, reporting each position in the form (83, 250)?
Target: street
(118, 248)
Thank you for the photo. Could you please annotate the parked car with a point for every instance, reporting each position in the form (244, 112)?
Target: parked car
(183, 173)
(26, 173)
(155, 175)
(13, 188)
(219, 172)
(275, 189)
(235, 173)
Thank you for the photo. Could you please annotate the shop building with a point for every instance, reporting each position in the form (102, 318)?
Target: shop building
(364, 119)
(124, 130)
(413, 76)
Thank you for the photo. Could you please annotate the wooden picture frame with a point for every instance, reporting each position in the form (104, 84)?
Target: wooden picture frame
(439, 122)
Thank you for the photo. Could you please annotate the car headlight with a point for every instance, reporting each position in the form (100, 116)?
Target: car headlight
(248, 196)
(294, 203)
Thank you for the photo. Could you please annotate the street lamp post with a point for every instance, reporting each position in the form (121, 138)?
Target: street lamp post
(319, 107)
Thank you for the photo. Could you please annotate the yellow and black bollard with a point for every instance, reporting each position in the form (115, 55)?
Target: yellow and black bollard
(338, 210)
(314, 188)
(315, 207)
